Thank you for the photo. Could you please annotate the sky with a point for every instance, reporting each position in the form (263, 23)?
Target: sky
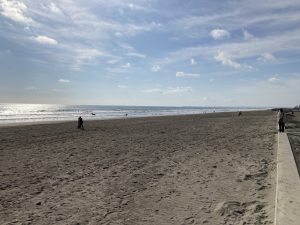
(150, 52)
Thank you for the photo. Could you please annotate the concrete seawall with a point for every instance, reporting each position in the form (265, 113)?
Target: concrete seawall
(287, 206)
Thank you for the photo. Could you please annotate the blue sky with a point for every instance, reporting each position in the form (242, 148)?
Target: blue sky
(150, 52)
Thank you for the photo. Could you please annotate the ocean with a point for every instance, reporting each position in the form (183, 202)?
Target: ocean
(28, 113)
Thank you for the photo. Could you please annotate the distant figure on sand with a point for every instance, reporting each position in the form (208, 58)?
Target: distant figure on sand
(281, 121)
(80, 123)
(240, 113)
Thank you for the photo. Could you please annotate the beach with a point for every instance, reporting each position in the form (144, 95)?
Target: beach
(216, 168)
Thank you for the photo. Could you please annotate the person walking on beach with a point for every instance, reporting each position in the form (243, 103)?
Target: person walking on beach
(281, 121)
(80, 123)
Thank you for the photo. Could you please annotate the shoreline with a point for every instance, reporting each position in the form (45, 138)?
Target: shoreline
(109, 119)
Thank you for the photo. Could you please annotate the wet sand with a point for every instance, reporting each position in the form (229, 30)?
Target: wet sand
(199, 169)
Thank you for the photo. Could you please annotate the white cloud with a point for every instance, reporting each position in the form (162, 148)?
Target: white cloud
(177, 90)
(237, 16)
(285, 42)
(122, 86)
(154, 90)
(155, 68)
(137, 7)
(127, 47)
(112, 61)
(14, 10)
(123, 5)
(225, 59)
(79, 22)
(196, 21)
(88, 53)
(267, 57)
(44, 40)
(219, 34)
(211, 80)
(169, 90)
(183, 74)
(138, 55)
(64, 81)
(134, 29)
(84, 56)
(274, 79)
(131, 51)
(126, 66)
(54, 8)
(193, 61)
(247, 35)
(118, 34)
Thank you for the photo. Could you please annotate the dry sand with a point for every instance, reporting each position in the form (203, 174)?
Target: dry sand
(201, 169)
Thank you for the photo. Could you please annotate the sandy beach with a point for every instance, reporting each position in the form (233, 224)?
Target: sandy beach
(198, 169)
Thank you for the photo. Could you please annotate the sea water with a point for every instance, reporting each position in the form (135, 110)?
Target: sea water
(22, 113)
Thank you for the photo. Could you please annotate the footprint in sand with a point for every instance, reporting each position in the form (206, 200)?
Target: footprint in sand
(244, 211)
(256, 176)
(189, 220)
(229, 208)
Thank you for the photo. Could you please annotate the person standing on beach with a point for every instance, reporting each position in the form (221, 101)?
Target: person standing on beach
(281, 121)
(80, 123)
